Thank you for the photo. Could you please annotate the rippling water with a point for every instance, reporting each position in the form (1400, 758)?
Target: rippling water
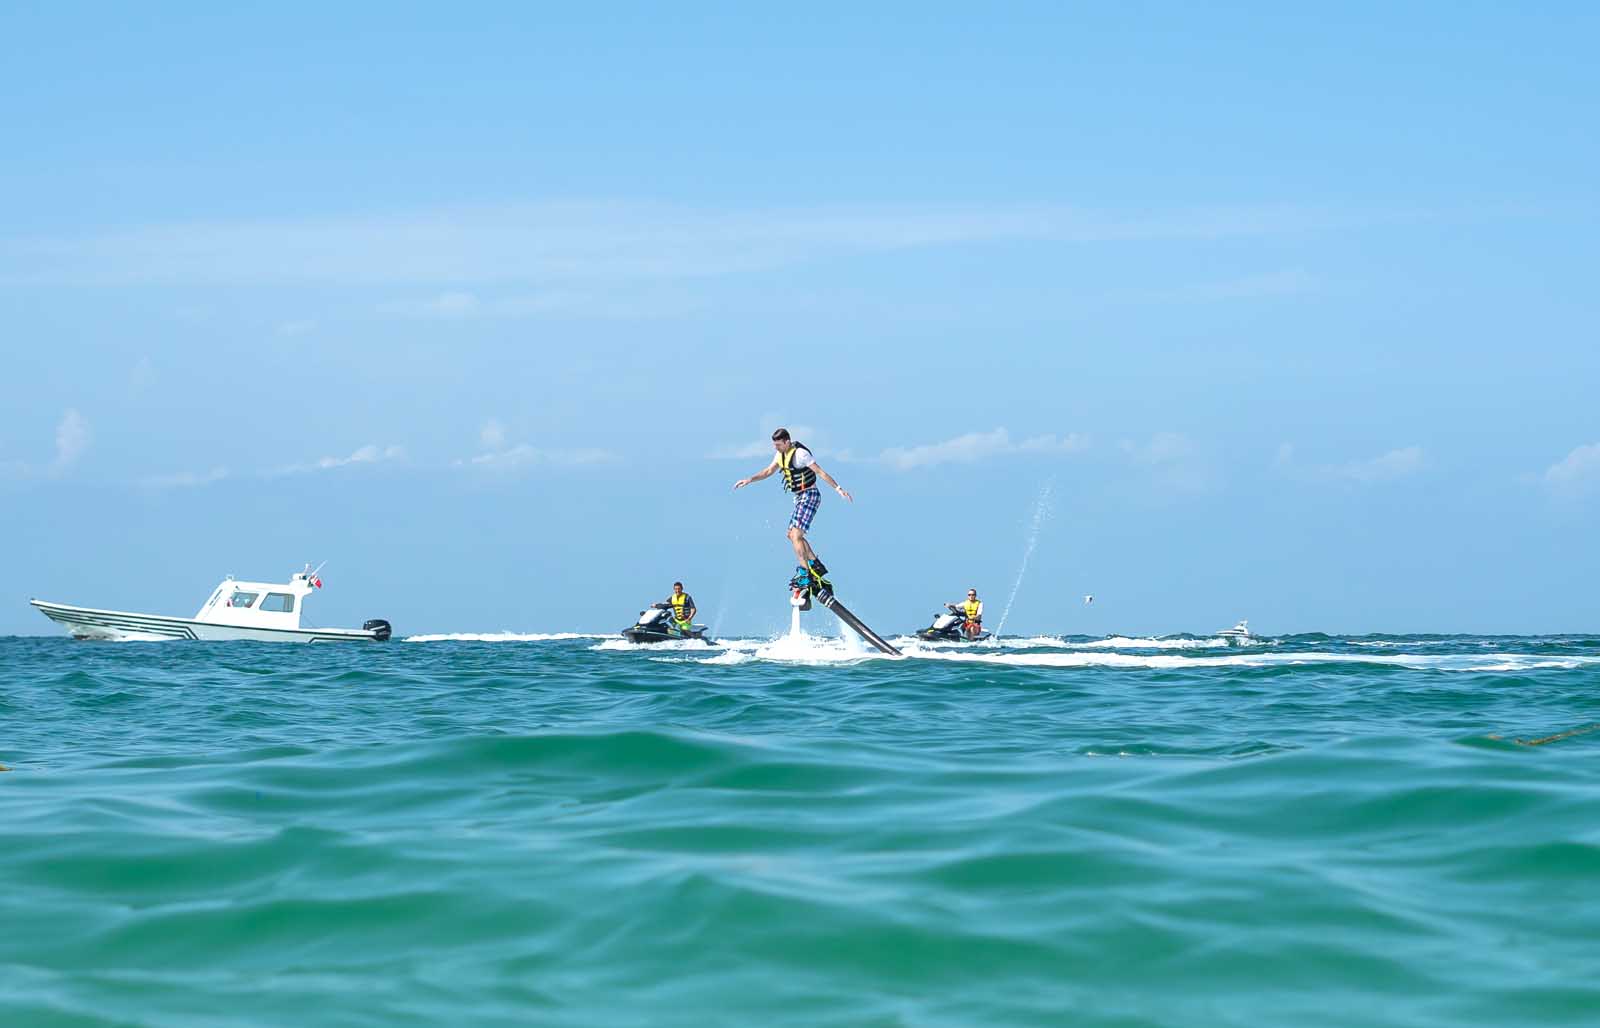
(515, 830)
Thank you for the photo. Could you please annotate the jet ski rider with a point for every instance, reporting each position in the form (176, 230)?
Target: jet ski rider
(680, 607)
(972, 611)
(800, 472)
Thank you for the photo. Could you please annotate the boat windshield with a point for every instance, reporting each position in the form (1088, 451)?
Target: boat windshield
(240, 598)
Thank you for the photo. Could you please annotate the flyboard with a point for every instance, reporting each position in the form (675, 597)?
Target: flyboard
(803, 586)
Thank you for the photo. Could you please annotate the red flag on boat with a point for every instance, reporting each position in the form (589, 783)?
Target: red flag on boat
(317, 582)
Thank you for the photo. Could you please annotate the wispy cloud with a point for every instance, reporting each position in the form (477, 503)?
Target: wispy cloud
(1577, 471)
(72, 438)
(184, 479)
(459, 305)
(1394, 464)
(524, 455)
(445, 306)
(1161, 448)
(571, 244)
(1288, 282)
(1172, 463)
(142, 377)
(500, 455)
(760, 444)
(369, 454)
(975, 446)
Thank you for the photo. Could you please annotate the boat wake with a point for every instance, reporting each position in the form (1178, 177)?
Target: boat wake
(499, 637)
(1174, 653)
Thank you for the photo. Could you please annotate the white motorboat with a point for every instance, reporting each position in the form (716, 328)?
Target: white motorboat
(259, 611)
(1239, 634)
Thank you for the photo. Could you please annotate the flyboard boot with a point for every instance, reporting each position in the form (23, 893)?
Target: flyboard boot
(800, 589)
(819, 575)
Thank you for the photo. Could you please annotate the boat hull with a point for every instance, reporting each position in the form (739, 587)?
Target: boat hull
(126, 626)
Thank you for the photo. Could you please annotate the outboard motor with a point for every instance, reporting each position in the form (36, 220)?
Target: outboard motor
(379, 628)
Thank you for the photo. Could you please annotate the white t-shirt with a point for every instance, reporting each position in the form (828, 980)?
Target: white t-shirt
(802, 459)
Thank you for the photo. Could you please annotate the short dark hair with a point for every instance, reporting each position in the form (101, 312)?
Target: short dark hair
(677, 585)
(780, 434)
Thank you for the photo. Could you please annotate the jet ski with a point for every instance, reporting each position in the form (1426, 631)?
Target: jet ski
(950, 626)
(655, 625)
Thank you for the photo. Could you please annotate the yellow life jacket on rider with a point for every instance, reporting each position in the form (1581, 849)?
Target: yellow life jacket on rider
(796, 480)
(680, 603)
(972, 607)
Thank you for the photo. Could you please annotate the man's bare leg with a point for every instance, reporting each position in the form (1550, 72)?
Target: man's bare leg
(802, 548)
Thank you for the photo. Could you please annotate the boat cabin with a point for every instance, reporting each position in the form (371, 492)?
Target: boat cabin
(259, 604)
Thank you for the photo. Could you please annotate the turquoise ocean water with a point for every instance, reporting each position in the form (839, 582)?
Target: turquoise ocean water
(1310, 831)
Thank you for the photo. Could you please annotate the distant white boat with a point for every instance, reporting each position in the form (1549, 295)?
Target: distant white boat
(259, 611)
(1239, 633)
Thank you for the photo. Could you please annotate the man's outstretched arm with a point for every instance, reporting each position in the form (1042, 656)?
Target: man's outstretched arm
(758, 476)
(829, 479)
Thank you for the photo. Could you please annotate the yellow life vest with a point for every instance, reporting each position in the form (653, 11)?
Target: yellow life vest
(679, 601)
(972, 607)
(796, 480)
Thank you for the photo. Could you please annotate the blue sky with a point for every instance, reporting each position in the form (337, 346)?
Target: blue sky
(1290, 313)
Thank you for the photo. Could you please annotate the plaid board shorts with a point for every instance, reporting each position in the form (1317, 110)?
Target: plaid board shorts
(805, 508)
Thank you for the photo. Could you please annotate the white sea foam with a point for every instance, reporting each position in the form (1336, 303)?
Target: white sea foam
(823, 651)
(1119, 642)
(797, 649)
(1422, 662)
(1056, 642)
(666, 645)
(496, 637)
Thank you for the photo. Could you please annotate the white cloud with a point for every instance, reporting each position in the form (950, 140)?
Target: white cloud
(1290, 282)
(976, 446)
(524, 455)
(1394, 464)
(1575, 471)
(1161, 448)
(500, 455)
(1069, 443)
(635, 301)
(369, 454)
(761, 444)
(72, 438)
(1172, 464)
(184, 479)
(142, 377)
(448, 305)
(569, 244)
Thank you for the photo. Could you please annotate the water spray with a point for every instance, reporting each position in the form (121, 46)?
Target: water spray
(1041, 513)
